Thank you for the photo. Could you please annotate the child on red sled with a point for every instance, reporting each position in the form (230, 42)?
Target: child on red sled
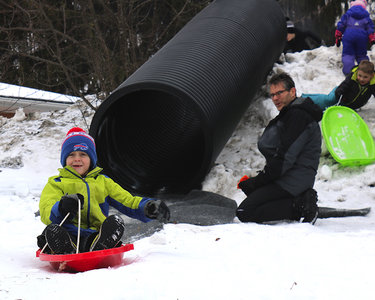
(81, 184)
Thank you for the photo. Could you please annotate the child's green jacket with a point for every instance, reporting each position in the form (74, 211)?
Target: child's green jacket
(351, 93)
(100, 192)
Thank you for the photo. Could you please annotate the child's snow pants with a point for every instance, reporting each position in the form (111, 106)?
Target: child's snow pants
(322, 100)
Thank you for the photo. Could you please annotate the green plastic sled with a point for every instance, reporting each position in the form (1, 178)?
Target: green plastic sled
(347, 137)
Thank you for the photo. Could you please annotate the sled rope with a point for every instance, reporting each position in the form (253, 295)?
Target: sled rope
(62, 222)
(79, 225)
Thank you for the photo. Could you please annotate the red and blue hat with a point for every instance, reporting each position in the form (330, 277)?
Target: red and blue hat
(78, 140)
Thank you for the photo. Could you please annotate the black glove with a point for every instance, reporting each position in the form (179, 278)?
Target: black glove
(338, 42)
(157, 209)
(69, 204)
(247, 186)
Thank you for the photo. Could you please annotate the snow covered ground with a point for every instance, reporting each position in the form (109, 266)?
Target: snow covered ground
(332, 260)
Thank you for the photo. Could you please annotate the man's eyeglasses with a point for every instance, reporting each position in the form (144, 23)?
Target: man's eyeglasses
(278, 93)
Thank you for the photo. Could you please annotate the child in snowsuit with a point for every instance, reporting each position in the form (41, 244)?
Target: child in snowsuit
(355, 29)
(81, 184)
(353, 92)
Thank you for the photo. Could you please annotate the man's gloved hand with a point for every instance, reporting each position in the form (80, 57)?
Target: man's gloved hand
(243, 178)
(247, 186)
(338, 36)
(157, 209)
(371, 39)
(69, 203)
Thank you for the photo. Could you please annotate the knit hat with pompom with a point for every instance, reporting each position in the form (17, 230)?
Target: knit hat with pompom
(362, 3)
(78, 140)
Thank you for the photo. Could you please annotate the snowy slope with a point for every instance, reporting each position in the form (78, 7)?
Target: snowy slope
(332, 260)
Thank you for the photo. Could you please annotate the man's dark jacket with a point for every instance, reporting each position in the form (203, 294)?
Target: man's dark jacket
(291, 145)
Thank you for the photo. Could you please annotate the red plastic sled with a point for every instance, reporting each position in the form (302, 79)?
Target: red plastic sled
(86, 261)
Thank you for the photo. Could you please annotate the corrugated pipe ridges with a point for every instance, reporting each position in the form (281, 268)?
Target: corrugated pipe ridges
(161, 130)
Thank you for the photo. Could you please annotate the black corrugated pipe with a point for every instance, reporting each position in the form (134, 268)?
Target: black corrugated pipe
(161, 130)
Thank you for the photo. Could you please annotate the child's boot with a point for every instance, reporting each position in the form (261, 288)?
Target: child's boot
(58, 240)
(110, 233)
(41, 242)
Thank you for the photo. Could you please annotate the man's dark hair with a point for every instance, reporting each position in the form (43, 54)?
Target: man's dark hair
(283, 78)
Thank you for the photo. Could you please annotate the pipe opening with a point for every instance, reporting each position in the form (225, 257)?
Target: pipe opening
(151, 141)
(161, 130)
